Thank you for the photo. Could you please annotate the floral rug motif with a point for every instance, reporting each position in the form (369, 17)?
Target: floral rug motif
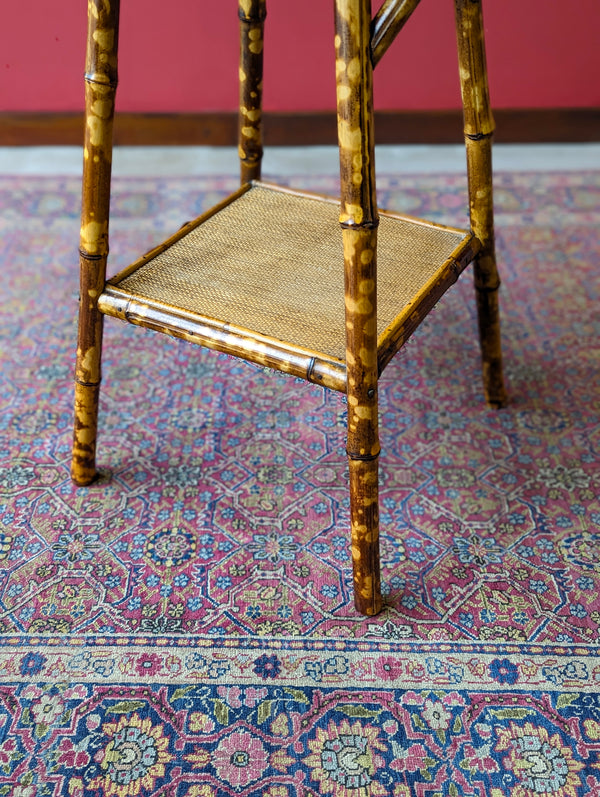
(185, 626)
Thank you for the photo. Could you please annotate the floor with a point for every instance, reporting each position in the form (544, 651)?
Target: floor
(175, 161)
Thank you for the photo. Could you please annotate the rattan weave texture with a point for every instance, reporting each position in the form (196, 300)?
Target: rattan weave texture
(273, 262)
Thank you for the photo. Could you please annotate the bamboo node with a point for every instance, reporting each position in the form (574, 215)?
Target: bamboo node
(248, 14)
(82, 383)
(100, 79)
(481, 288)
(479, 136)
(88, 256)
(357, 457)
(456, 270)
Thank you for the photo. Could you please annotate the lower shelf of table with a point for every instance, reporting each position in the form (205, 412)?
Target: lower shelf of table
(261, 276)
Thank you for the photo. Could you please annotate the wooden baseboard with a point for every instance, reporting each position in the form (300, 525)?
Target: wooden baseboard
(560, 125)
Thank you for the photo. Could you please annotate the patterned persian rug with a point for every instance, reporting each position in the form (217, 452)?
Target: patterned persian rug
(185, 626)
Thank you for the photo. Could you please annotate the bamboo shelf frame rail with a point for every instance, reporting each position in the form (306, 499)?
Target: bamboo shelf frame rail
(387, 24)
(327, 289)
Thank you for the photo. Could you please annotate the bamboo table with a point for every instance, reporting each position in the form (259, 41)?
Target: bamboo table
(327, 289)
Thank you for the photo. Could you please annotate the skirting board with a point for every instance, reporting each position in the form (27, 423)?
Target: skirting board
(560, 125)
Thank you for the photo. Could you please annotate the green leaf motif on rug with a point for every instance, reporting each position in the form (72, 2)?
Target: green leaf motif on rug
(40, 729)
(125, 707)
(181, 692)
(296, 695)
(221, 712)
(358, 711)
(425, 773)
(511, 713)
(563, 701)
(418, 723)
(265, 710)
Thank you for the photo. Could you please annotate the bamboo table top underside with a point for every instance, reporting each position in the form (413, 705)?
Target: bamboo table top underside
(261, 276)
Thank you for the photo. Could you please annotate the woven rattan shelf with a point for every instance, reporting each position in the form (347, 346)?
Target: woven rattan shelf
(262, 276)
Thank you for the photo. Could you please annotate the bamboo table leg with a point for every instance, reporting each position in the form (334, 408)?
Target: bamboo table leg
(479, 129)
(363, 434)
(252, 15)
(359, 220)
(100, 87)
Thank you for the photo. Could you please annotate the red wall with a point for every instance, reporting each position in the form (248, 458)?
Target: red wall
(538, 56)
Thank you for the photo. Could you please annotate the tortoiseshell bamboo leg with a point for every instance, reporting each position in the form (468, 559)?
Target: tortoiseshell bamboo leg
(479, 130)
(252, 15)
(486, 278)
(100, 87)
(359, 220)
(363, 433)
